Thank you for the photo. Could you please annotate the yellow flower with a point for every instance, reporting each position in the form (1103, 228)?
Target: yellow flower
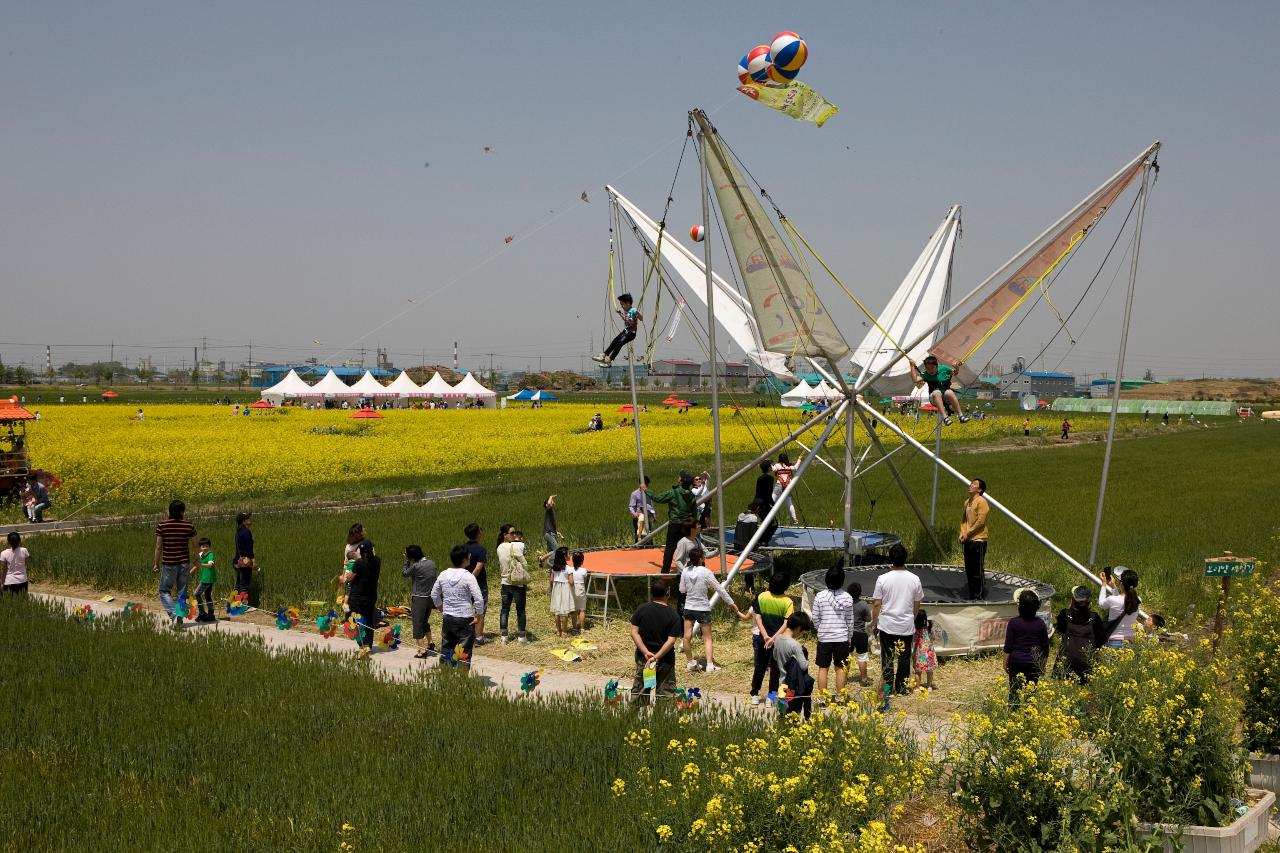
(664, 832)
(619, 787)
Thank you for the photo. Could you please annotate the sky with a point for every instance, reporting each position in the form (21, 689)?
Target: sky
(312, 177)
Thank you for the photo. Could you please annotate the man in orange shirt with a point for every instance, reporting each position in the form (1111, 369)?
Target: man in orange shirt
(973, 537)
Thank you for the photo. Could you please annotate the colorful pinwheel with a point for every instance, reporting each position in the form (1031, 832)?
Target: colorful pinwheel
(530, 680)
(350, 629)
(129, 607)
(328, 624)
(237, 604)
(185, 607)
(687, 698)
(389, 639)
(611, 695)
(83, 613)
(287, 618)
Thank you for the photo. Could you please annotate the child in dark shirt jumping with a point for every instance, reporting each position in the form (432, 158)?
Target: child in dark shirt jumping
(630, 323)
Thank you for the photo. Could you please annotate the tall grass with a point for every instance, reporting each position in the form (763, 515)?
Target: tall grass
(113, 735)
(1172, 500)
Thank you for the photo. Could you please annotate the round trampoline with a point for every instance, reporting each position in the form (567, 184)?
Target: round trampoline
(960, 625)
(813, 539)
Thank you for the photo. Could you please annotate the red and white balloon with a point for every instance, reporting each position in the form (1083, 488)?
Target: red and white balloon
(698, 233)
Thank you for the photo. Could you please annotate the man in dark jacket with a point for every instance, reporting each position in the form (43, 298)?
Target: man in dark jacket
(682, 511)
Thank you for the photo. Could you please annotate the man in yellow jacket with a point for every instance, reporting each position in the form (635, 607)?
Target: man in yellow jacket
(973, 537)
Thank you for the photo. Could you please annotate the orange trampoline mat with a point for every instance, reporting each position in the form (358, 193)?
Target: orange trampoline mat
(644, 561)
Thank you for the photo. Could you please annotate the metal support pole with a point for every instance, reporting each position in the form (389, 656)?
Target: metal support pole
(782, 498)
(995, 504)
(711, 340)
(848, 485)
(902, 484)
(937, 450)
(1119, 380)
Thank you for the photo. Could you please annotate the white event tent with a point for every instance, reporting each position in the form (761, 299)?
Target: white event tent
(367, 386)
(290, 386)
(471, 387)
(436, 386)
(332, 386)
(797, 396)
(403, 387)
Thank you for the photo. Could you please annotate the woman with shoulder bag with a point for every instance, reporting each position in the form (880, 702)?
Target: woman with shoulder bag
(244, 561)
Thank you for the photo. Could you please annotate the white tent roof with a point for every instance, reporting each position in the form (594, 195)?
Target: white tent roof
(823, 390)
(290, 386)
(800, 392)
(436, 386)
(367, 386)
(332, 386)
(470, 387)
(404, 386)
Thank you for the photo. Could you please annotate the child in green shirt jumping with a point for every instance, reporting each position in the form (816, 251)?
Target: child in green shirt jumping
(208, 577)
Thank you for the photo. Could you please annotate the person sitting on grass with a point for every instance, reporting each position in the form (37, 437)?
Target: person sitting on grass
(793, 661)
(655, 627)
(938, 378)
(695, 583)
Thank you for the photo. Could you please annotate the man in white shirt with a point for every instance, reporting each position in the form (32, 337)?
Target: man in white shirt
(456, 594)
(896, 601)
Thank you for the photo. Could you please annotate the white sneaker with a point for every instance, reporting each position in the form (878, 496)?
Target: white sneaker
(692, 666)
(504, 639)
(524, 641)
(600, 359)
(711, 667)
(964, 419)
(755, 700)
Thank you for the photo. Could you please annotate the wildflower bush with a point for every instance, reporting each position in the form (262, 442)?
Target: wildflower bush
(1163, 716)
(1253, 644)
(1026, 780)
(834, 783)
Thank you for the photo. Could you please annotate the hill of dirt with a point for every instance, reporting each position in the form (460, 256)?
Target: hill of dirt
(1240, 390)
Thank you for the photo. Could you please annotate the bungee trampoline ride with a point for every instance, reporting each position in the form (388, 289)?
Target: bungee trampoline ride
(961, 625)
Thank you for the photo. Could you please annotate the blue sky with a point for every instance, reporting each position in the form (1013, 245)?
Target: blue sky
(291, 172)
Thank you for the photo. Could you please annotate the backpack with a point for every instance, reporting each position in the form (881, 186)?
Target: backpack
(1078, 642)
(742, 533)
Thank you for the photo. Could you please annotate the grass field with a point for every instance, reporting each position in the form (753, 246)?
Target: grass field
(210, 743)
(1175, 497)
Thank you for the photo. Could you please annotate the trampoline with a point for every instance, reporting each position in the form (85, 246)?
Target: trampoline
(647, 562)
(814, 539)
(960, 625)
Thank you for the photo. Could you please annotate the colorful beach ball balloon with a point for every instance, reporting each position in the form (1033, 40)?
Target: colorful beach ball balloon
(744, 77)
(787, 53)
(758, 63)
(698, 233)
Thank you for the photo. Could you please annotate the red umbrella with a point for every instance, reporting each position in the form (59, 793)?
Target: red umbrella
(928, 407)
(625, 408)
(261, 404)
(109, 395)
(367, 413)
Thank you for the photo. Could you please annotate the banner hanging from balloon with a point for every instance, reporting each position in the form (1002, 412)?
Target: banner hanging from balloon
(796, 99)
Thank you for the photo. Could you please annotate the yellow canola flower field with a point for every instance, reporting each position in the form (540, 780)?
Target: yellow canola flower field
(205, 453)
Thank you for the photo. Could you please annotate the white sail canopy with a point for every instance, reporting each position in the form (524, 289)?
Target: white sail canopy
(403, 386)
(914, 307)
(436, 386)
(290, 386)
(367, 386)
(331, 386)
(732, 310)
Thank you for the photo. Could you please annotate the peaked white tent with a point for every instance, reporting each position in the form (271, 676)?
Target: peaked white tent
(797, 396)
(403, 386)
(823, 391)
(332, 386)
(436, 386)
(368, 386)
(471, 387)
(290, 386)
